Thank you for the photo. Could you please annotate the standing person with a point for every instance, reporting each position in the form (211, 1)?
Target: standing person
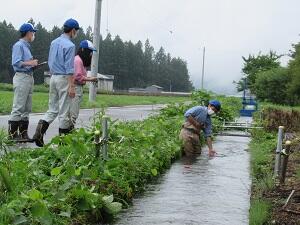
(23, 65)
(82, 61)
(62, 89)
(198, 118)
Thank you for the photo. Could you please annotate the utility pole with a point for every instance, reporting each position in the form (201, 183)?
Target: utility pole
(96, 42)
(203, 65)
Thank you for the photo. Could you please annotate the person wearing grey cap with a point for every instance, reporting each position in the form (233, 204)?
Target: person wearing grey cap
(23, 64)
(62, 88)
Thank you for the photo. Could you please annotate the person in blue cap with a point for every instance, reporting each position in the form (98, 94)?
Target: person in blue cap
(23, 64)
(82, 62)
(62, 88)
(196, 119)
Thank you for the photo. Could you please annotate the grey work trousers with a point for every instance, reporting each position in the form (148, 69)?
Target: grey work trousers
(59, 101)
(22, 104)
(75, 104)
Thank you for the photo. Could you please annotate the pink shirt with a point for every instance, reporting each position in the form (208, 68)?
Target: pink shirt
(79, 71)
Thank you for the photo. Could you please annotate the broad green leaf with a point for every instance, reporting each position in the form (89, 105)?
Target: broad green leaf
(41, 213)
(56, 171)
(78, 171)
(154, 172)
(20, 220)
(108, 199)
(35, 195)
(113, 208)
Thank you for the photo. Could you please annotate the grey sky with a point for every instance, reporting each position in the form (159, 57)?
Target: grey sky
(228, 28)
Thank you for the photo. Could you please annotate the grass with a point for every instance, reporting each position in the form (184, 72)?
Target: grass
(262, 147)
(276, 106)
(259, 212)
(40, 101)
(37, 88)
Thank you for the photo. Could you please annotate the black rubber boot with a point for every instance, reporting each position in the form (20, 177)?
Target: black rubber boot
(41, 129)
(64, 131)
(23, 130)
(13, 127)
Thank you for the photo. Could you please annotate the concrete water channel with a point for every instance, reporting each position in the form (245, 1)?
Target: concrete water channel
(202, 191)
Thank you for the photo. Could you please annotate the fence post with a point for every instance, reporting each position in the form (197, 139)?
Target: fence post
(284, 161)
(97, 143)
(105, 137)
(278, 151)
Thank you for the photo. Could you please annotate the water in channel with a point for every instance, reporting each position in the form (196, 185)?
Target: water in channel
(206, 191)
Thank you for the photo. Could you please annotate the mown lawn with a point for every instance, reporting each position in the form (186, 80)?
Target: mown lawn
(40, 101)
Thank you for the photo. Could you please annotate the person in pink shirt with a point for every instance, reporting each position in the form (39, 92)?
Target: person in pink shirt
(82, 61)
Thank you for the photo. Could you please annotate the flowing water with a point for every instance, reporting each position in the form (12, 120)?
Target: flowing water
(204, 191)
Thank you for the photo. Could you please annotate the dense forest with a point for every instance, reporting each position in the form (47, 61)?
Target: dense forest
(133, 64)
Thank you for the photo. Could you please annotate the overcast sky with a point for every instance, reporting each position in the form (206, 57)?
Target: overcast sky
(228, 29)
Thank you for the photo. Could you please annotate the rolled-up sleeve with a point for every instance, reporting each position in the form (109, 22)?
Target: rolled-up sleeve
(17, 56)
(69, 60)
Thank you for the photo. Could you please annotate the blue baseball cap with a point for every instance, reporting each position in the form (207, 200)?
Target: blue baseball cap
(87, 44)
(71, 23)
(216, 104)
(27, 27)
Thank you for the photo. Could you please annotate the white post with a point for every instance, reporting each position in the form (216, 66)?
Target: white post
(96, 42)
(278, 151)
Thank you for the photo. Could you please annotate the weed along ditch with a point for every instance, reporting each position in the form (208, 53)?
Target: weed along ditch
(131, 173)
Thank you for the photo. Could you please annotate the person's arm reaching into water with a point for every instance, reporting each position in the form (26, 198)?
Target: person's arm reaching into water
(211, 152)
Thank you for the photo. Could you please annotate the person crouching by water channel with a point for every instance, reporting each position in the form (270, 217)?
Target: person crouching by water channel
(82, 61)
(198, 118)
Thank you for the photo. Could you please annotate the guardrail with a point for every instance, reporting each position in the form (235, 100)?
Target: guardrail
(244, 126)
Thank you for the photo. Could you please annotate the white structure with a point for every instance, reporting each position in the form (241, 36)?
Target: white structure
(149, 89)
(154, 89)
(105, 82)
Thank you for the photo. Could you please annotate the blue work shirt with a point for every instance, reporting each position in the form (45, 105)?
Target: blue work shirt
(61, 56)
(199, 113)
(21, 53)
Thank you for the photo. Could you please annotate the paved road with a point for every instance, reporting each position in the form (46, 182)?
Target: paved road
(126, 113)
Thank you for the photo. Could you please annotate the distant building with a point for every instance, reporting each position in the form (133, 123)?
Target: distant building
(154, 89)
(149, 89)
(105, 82)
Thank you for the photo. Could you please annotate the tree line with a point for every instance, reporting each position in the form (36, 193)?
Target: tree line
(133, 64)
(269, 80)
